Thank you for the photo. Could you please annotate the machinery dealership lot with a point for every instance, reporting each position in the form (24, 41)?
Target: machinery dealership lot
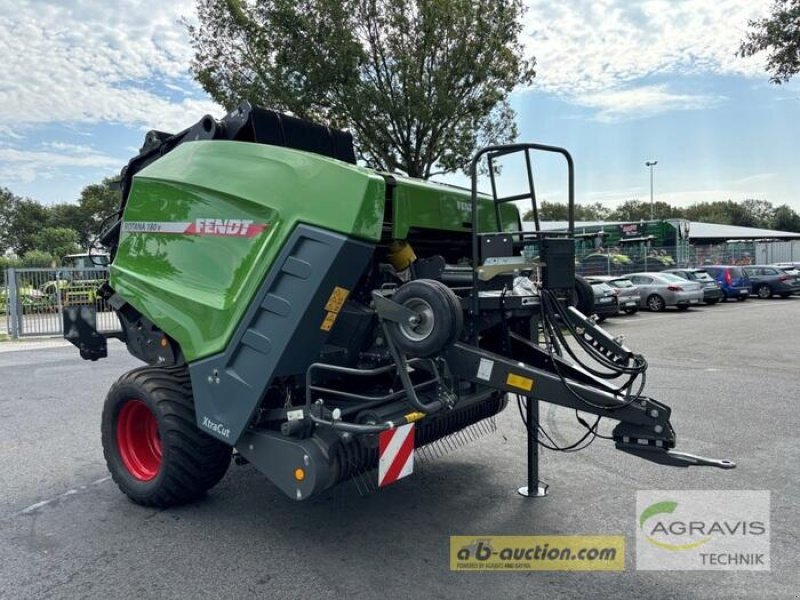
(729, 372)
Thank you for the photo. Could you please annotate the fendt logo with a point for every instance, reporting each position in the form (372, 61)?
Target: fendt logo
(206, 226)
(234, 227)
(217, 428)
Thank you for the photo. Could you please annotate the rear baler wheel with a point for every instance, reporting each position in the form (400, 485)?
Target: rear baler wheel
(458, 311)
(582, 296)
(438, 322)
(153, 448)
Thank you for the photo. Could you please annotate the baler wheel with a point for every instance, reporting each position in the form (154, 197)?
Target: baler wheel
(152, 445)
(438, 323)
(582, 296)
(458, 311)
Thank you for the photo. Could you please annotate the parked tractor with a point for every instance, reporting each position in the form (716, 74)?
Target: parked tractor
(325, 322)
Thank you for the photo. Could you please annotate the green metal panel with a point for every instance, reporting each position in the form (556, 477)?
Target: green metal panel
(419, 203)
(183, 261)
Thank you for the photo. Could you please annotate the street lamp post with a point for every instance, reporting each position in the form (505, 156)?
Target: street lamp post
(651, 164)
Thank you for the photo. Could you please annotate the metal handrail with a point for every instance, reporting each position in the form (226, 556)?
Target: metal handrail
(501, 150)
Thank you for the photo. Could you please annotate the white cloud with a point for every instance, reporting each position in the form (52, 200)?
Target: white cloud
(70, 148)
(19, 165)
(591, 51)
(96, 61)
(643, 101)
(755, 185)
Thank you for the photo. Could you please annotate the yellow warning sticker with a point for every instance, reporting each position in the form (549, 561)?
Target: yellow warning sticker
(518, 381)
(330, 319)
(337, 299)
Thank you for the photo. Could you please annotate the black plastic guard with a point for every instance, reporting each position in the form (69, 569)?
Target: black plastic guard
(80, 328)
(283, 330)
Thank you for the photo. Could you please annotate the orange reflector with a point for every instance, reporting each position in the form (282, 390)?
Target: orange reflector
(299, 474)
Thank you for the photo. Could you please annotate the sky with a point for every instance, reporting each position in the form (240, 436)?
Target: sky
(619, 82)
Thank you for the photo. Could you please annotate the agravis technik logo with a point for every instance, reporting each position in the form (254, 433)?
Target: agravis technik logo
(702, 530)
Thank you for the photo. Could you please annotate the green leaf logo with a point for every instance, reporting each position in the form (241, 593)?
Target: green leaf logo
(668, 507)
(657, 509)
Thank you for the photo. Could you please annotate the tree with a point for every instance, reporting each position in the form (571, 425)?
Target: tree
(37, 259)
(761, 212)
(57, 241)
(779, 35)
(26, 219)
(785, 219)
(7, 202)
(639, 210)
(69, 216)
(421, 84)
(709, 212)
(97, 203)
(557, 211)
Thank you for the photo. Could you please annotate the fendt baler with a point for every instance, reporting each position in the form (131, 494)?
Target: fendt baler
(325, 320)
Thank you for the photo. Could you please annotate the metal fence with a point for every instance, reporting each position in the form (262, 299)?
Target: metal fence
(4, 319)
(775, 252)
(33, 300)
(621, 261)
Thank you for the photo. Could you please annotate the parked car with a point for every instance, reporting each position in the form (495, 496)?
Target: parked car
(787, 265)
(660, 290)
(628, 295)
(606, 303)
(790, 270)
(771, 281)
(712, 293)
(732, 280)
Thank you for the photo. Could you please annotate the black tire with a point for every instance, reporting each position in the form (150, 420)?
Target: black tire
(600, 318)
(712, 302)
(157, 403)
(683, 307)
(763, 291)
(785, 295)
(439, 324)
(656, 303)
(458, 310)
(741, 298)
(632, 311)
(582, 296)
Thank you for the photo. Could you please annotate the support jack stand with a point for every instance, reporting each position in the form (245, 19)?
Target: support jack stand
(535, 487)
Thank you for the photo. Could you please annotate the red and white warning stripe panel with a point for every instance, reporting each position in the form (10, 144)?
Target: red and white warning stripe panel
(225, 227)
(396, 448)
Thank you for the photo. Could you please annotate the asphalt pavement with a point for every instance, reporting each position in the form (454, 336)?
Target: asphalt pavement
(729, 372)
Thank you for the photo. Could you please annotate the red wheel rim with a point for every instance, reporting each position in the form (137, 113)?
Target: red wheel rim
(138, 441)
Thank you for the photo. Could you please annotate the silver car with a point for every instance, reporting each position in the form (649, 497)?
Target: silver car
(660, 290)
(627, 293)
